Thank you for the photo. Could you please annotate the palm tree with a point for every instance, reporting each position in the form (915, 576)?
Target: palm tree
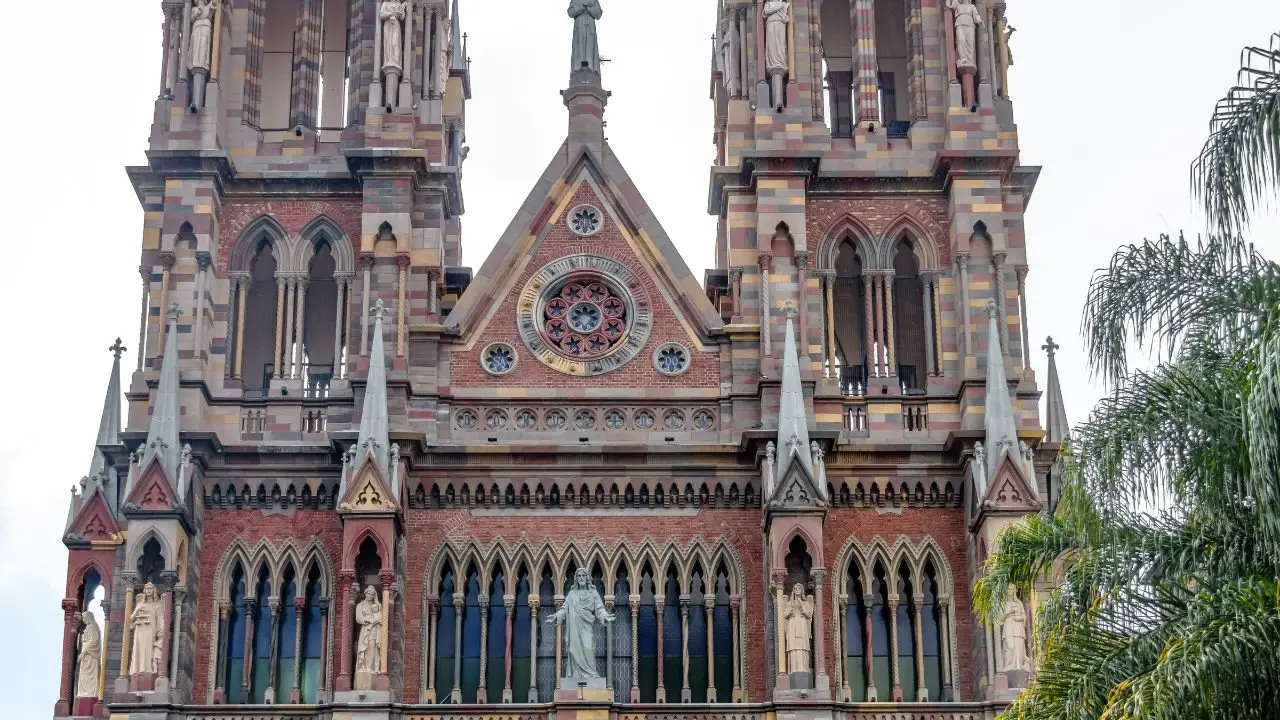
(1166, 541)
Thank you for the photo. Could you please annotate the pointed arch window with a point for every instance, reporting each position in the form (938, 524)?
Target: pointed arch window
(470, 640)
(286, 647)
(855, 635)
(234, 640)
(621, 672)
(722, 636)
(546, 639)
(696, 641)
(256, 334)
(446, 639)
(932, 646)
(854, 342)
(647, 636)
(312, 630)
(911, 329)
(263, 622)
(881, 619)
(495, 676)
(904, 618)
(522, 625)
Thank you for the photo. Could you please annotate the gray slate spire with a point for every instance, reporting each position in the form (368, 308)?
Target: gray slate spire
(793, 422)
(162, 434)
(459, 50)
(1056, 427)
(101, 477)
(1001, 426)
(374, 439)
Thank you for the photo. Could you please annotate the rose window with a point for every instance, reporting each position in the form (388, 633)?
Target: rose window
(499, 359)
(671, 359)
(584, 220)
(584, 320)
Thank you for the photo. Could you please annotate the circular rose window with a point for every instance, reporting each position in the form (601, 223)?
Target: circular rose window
(584, 315)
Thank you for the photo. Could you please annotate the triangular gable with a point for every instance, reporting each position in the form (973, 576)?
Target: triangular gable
(367, 492)
(797, 489)
(152, 491)
(545, 204)
(1009, 489)
(93, 522)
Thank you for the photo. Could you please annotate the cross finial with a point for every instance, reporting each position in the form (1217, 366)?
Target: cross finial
(790, 311)
(118, 349)
(992, 310)
(377, 310)
(175, 312)
(1050, 347)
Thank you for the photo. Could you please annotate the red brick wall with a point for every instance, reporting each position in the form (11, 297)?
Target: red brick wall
(946, 527)
(293, 216)
(560, 242)
(426, 530)
(221, 528)
(878, 215)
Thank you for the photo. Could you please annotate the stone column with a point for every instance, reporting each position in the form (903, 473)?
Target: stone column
(944, 621)
(375, 87)
(559, 640)
(145, 316)
(534, 601)
(869, 316)
(299, 352)
(482, 692)
(508, 603)
(925, 285)
(242, 284)
(842, 677)
(685, 695)
(70, 629)
(997, 263)
(366, 263)
(274, 657)
(290, 350)
(821, 682)
(175, 637)
(339, 328)
(455, 694)
(962, 259)
(735, 603)
(890, 350)
(387, 579)
(246, 670)
(433, 292)
(735, 290)
(203, 261)
(766, 335)
(346, 609)
(882, 351)
(783, 680)
(433, 646)
(173, 35)
(893, 647)
(863, 23)
(326, 665)
(659, 605)
(223, 635)
(126, 635)
(801, 259)
(710, 604)
(868, 647)
(295, 687)
(633, 604)
(922, 688)
(1022, 316)
(166, 274)
(281, 342)
(936, 282)
(401, 311)
(829, 319)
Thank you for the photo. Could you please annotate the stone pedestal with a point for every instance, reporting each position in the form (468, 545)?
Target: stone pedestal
(85, 707)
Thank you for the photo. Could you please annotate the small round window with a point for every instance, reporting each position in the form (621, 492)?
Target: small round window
(585, 220)
(498, 358)
(671, 359)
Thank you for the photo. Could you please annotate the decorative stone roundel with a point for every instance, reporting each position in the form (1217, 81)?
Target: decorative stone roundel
(584, 315)
(498, 358)
(585, 220)
(671, 359)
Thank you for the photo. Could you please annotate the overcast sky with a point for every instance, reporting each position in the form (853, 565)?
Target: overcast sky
(1112, 99)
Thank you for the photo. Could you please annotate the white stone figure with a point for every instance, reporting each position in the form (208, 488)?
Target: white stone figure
(581, 610)
(200, 44)
(797, 620)
(148, 632)
(586, 46)
(979, 471)
(730, 56)
(968, 18)
(88, 666)
(369, 644)
(445, 60)
(1013, 637)
(392, 15)
(777, 15)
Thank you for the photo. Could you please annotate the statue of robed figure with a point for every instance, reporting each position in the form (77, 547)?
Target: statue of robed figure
(581, 610)
(586, 48)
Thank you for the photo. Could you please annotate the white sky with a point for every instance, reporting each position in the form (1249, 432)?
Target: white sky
(1114, 104)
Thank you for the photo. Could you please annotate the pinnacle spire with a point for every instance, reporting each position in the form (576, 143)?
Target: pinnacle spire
(162, 434)
(1056, 427)
(374, 439)
(793, 422)
(1000, 424)
(109, 424)
(459, 63)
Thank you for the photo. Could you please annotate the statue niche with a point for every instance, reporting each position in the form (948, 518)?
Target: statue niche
(581, 610)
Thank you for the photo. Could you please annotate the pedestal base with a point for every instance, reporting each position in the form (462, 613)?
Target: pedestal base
(364, 680)
(142, 682)
(85, 706)
(362, 696)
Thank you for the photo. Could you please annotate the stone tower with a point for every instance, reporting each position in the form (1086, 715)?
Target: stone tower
(355, 480)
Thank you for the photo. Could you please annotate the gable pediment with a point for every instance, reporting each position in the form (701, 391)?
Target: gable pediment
(367, 492)
(93, 522)
(152, 491)
(1010, 489)
(797, 489)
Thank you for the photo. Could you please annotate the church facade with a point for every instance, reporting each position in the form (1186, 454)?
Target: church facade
(354, 478)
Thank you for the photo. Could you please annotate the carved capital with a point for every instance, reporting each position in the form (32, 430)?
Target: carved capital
(778, 577)
(70, 606)
(483, 602)
(299, 603)
(402, 262)
(801, 258)
(130, 578)
(962, 259)
(709, 602)
(534, 602)
(167, 260)
(179, 594)
(458, 601)
(765, 260)
(250, 604)
(273, 603)
(509, 602)
(366, 261)
(735, 274)
(224, 609)
(166, 582)
(324, 606)
(998, 259)
(204, 260)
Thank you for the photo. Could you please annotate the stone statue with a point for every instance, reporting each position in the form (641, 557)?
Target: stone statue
(369, 644)
(730, 55)
(777, 15)
(1005, 32)
(979, 470)
(581, 610)
(797, 619)
(1013, 637)
(445, 62)
(967, 21)
(391, 16)
(586, 48)
(148, 632)
(200, 48)
(90, 662)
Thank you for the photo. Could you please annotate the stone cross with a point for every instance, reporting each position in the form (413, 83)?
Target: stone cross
(175, 312)
(118, 349)
(1050, 347)
(992, 310)
(790, 310)
(377, 310)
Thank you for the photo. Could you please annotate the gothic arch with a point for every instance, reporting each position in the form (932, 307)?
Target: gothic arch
(849, 228)
(104, 576)
(353, 549)
(922, 242)
(265, 228)
(136, 549)
(322, 229)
